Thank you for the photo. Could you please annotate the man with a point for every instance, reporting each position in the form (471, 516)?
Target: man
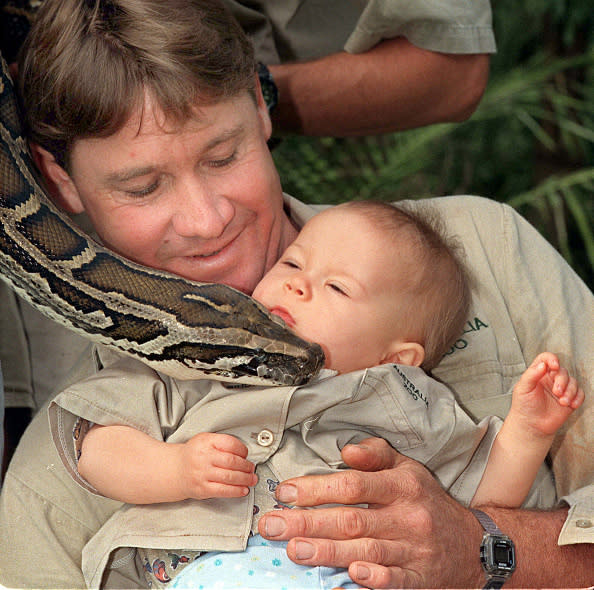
(396, 65)
(171, 167)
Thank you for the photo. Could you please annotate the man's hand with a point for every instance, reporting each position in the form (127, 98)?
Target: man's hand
(414, 535)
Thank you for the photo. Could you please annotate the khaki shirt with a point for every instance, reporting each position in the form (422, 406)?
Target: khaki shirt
(527, 300)
(295, 430)
(307, 29)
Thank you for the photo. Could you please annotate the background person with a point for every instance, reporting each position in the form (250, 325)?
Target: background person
(396, 65)
(41, 508)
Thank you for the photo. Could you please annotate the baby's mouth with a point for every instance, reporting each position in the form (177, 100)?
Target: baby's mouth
(282, 313)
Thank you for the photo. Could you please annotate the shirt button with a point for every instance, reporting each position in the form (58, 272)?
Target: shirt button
(583, 523)
(265, 438)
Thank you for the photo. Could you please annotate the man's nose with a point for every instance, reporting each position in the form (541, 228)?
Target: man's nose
(299, 286)
(200, 212)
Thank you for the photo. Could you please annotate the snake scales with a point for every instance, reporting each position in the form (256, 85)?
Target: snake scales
(185, 329)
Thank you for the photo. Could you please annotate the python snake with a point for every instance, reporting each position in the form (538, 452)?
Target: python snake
(185, 329)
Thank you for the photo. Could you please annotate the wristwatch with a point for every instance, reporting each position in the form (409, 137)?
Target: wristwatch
(498, 554)
(270, 94)
(269, 89)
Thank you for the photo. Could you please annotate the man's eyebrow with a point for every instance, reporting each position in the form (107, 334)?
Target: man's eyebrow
(132, 173)
(226, 135)
(129, 174)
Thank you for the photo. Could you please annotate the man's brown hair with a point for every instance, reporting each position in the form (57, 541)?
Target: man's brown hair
(87, 64)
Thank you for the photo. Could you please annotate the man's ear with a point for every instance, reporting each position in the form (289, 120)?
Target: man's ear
(58, 181)
(263, 109)
(405, 353)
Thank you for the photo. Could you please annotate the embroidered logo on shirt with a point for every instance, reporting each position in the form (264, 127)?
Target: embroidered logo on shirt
(412, 389)
(471, 326)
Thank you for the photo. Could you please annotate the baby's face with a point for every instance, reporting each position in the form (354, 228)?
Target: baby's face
(337, 285)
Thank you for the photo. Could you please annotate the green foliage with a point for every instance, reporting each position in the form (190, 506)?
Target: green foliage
(530, 143)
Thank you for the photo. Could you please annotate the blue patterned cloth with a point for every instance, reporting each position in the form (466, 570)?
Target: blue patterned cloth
(263, 565)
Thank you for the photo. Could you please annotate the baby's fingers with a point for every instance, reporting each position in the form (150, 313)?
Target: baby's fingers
(232, 462)
(567, 390)
(229, 477)
(569, 394)
(578, 400)
(550, 360)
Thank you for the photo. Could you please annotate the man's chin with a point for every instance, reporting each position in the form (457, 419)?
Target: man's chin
(241, 282)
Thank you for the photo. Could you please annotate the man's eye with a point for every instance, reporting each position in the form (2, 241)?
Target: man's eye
(222, 162)
(145, 191)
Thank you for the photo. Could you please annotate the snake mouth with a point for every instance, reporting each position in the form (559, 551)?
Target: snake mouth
(289, 371)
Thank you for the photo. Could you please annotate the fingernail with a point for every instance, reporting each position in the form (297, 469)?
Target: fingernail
(286, 493)
(362, 572)
(303, 550)
(274, 526)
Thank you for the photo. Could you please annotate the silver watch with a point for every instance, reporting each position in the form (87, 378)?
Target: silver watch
(497, 552)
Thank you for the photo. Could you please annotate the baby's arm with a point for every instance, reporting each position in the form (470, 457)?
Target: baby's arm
(128, 465)
(543, 399)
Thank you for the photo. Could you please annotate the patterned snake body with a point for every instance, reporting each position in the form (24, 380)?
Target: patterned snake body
(185, 329)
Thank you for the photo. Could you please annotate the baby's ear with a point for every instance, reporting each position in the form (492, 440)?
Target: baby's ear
(57, 180)
(411, 354)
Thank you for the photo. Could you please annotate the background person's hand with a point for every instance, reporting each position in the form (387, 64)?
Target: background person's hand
(412, 535)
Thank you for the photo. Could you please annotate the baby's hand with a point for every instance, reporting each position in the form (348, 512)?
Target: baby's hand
(557, 381)
(215, 466)
(546, 394)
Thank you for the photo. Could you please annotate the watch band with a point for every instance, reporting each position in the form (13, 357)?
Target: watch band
(269, 89)
(494, 583)
(494, 580)
(486, 521)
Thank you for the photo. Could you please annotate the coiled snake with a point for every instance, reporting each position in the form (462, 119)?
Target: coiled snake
(185, 329)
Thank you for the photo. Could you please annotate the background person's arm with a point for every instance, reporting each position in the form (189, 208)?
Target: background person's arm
(391, 87)
(405, 538)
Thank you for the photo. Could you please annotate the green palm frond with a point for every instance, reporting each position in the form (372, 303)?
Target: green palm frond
(568, 195)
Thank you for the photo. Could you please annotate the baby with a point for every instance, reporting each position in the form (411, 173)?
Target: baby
(385, 294)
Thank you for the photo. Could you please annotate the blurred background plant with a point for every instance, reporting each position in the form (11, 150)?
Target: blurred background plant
(529, 144)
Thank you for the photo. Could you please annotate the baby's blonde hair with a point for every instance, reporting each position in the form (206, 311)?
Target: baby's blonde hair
(438, 288)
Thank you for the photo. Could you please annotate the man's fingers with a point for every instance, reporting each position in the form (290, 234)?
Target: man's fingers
(378, 576)
(308, 551)
(354, 555)
(371, 454)
(366, 559)
(346, 487)
(341, 523)
(355, 487)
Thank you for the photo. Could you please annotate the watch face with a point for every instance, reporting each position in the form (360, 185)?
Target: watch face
(503, 554)
(498, 555)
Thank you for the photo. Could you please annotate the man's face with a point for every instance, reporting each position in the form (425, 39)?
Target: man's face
(200, 199)
(337, 284)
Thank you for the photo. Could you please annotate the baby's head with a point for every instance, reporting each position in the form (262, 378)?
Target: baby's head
(372, 284)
